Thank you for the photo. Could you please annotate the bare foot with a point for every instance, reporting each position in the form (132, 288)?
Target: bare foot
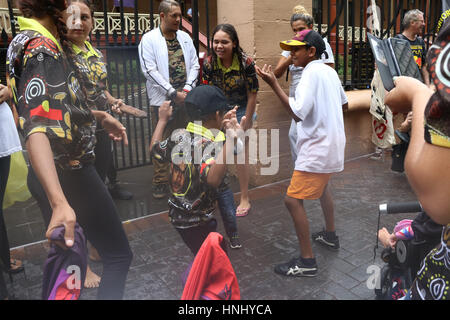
(92, 280)
(243, 208)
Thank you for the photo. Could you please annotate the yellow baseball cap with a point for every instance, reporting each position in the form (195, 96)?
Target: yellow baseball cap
(305, 37)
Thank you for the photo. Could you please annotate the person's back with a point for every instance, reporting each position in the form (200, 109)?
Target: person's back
(191, 199)
(321, 137)
(196, 155)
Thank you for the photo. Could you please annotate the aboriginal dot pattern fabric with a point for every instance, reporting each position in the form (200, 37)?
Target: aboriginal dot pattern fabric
(433, 278)
(49, 100)
(437, 112)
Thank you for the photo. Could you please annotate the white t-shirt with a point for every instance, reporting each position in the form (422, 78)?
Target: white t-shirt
(318, 102)
(296, 72)
(9, 138)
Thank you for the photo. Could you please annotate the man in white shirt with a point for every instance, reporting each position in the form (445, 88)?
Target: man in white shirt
(299, 22)
(169, 62)
(317, 108)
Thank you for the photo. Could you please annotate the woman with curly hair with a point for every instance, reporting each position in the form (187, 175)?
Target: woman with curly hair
(59, 130)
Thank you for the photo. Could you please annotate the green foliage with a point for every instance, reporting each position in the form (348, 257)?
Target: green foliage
(121, 72)
(341, 65)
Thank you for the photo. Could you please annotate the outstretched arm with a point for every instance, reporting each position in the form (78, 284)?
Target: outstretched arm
(219, 168)
(115, 129)
(268, 76)
(165, 111)
(427, 166)
(119, 107)
(282, 66)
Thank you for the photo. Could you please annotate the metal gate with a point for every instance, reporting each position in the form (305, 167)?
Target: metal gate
(346, 22)
(118, 36)
(120, 24)
(118, 28)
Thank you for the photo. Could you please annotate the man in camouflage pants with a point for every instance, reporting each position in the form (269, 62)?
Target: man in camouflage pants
(170, 64)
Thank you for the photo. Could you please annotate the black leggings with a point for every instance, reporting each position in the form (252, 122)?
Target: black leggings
(104, 157)
(3, 289)
(4, 244)
(195, 236)
(97, 215)
(103, 164)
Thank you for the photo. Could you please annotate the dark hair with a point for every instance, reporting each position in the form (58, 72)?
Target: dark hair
(42, 8)
(232, 33)
(54, 9)
(317, 54)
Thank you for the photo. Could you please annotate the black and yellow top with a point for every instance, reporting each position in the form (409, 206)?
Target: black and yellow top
(92, 64)
(433, 278)
(437, 112)
(234, 83)
(48, 96)
(192, 201)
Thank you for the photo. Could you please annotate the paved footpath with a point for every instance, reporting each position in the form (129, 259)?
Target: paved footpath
(268, 238)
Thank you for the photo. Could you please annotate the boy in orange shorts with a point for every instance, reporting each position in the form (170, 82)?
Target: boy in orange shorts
(317, 108)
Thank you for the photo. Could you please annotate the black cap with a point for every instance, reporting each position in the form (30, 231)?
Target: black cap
(206, 99)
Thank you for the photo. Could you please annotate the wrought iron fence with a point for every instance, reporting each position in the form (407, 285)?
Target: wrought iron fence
(353, 57)
(118, 28)
(117, 35)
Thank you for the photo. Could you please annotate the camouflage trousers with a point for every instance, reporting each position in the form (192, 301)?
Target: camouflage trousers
(179, 120)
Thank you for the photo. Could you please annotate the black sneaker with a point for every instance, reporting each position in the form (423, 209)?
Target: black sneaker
(322, 238)
(296, 268)
(160, 191)
(117, 192)
(234, 242)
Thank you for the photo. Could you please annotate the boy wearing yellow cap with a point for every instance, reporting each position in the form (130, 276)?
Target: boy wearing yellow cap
(317, 107)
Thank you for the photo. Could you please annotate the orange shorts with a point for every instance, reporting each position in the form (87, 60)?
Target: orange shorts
(307, 185)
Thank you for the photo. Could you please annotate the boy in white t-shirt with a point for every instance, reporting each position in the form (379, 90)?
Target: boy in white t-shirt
(299, 22)
(317, 108)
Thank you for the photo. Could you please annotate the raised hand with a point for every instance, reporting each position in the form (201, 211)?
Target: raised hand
(266, 74)
(120, 108)
(115, 107)
(115, 129)
(180, 97)
(230, 124)
(165, 111)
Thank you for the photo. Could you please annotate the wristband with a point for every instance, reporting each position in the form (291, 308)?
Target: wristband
(172, 94)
